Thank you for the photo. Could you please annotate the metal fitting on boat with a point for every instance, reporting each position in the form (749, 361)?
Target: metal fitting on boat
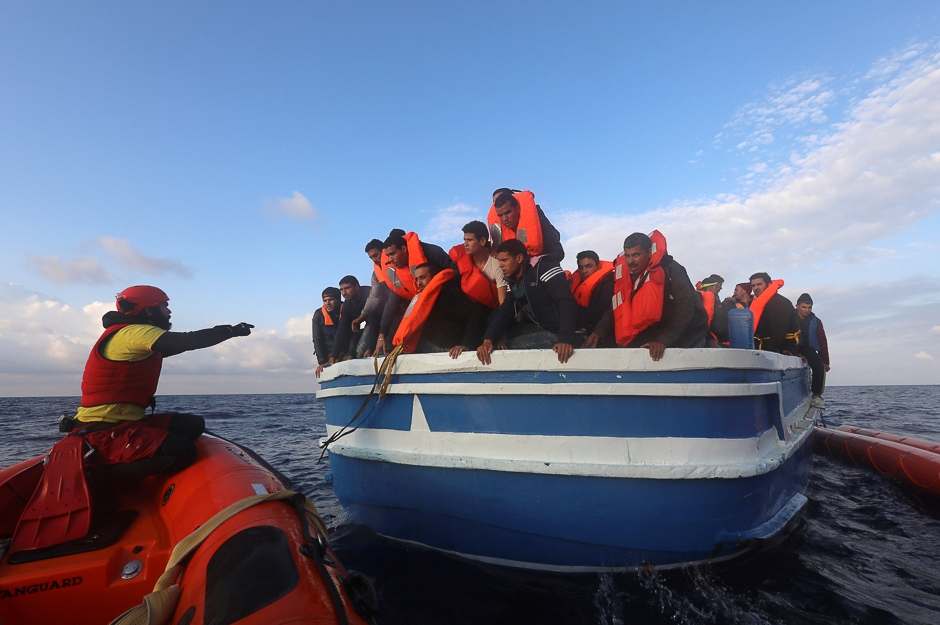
(131, 569)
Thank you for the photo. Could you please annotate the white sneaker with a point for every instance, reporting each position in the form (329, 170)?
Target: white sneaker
(817, 402)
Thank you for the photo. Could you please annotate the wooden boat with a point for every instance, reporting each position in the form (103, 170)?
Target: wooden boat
(609, 462)
(222, 541)
(909, 460)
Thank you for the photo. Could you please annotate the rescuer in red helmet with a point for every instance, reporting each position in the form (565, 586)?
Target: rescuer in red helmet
(120, 380)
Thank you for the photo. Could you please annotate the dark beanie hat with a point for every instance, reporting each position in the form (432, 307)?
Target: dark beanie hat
(331, 290)
(805, 298)
(746, 286)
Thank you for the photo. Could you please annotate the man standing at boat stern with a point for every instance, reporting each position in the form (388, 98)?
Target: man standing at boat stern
(813, 346)
(655, 304)
(120, 380)
(538, 289)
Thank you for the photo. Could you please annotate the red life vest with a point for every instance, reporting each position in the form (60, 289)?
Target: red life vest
(582, 290)
(409, 330)
(758, 303)
(116, 382)
(638, 305)
(400, 279)
(528, 230)
(478, 287)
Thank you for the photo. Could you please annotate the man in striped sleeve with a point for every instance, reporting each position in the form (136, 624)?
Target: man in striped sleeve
(539, 290)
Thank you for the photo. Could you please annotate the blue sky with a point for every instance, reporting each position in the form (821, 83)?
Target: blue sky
(240, 155)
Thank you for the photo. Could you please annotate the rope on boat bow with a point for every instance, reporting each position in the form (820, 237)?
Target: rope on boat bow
(383, 377)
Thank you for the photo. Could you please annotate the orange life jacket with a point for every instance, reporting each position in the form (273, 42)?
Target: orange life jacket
(582, 290)
(528, 230)
(758, 303)
(478, 287)
(708, 299)
(327, 320)
(639, 304)
(400, 279)
(380, 269)
(409, 330)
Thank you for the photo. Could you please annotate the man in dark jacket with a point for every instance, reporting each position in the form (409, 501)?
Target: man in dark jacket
(813, 346)
(350, 341)
(540, 292)
(778, 329)
(683, 323)
(325, 324)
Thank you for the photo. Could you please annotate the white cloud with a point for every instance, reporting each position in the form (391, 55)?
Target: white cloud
(869, 178)
(445, 225)
(90, 270)
(295, 207)
(39, 334)
(922, 355)
(791, 105)
(123, 253)
(84, 270)
(935, 330)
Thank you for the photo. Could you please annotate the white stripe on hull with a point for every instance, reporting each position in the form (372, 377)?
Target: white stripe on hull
(598, 456)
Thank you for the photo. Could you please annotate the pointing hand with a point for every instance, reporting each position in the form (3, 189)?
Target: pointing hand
(242, 329)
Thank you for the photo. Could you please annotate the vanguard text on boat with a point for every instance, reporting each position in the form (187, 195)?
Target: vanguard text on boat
(611, 461)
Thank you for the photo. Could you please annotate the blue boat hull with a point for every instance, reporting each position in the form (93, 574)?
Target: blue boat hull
(578, 470)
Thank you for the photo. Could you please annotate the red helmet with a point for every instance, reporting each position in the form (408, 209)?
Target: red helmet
(136, 298)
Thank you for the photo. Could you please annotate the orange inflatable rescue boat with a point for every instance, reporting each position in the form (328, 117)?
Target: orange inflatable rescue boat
(221, 542)
(910, 460)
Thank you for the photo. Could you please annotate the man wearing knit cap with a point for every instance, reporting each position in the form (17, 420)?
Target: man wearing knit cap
(325, 324)
(814, 346)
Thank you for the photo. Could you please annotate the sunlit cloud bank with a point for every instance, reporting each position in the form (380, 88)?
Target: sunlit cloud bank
(45, 344)
(863, 179)
(91, 270)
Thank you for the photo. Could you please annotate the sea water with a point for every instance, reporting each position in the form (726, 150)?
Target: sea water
(865, 550)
